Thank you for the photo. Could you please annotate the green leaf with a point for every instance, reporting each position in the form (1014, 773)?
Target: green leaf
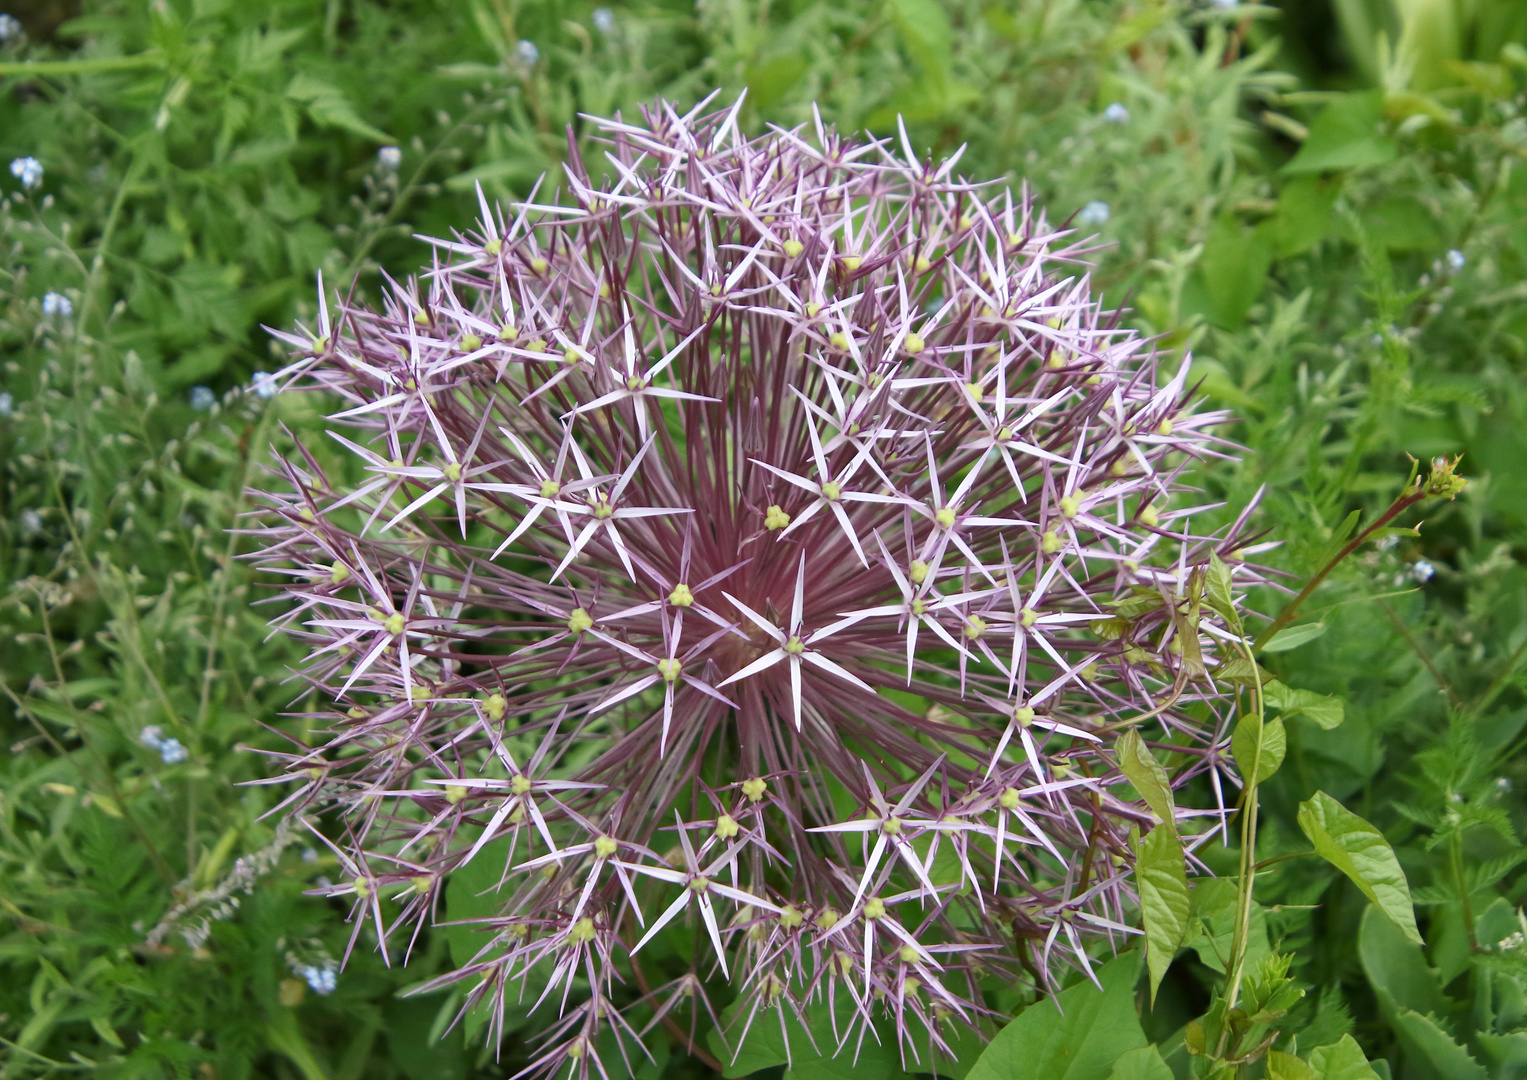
(1360, 851)
(1282, 1066)
(1342, 1060)
(1397, 970)
(1291, 637)
(1258, 744)
(473, 892)
(1235, 263)
(1239, 670)
(924, 29)
(1163, 883)
(1143, 770)
(1219, 584)
(1304, 214)
(1077, 1036)
(1326, 710)
(1425, 1039)
(812, 1049)
(328, 107)
(1142, 1063)
(1346, 135)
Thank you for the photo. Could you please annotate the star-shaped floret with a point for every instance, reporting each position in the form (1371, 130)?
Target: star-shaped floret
(794, 648)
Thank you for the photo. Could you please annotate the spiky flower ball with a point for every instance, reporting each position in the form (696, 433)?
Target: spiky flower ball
(773, 535)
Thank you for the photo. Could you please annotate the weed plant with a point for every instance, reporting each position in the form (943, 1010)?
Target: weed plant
(1335, 234)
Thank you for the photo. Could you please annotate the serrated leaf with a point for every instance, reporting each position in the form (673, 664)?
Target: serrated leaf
(1163, 883)
(1291, 637)
(329, 107)
(1077, 1035)
(1258, 745)
(1143, 770)
(1327, 710)
(1360, 851)
(1218, 584)
(1423, 1037)
(1141, 1063)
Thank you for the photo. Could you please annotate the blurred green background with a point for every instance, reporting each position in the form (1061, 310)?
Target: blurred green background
(1324, 201)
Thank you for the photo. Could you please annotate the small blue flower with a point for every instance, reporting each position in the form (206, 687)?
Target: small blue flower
(604, 20)
(202, 398)
(1421, 571)
(153, 736)
(1093, 214)
(10, 29)
(31, 522)
(528, 51)
(1116, 114)
(323, 980)
(171, 752)
(264, 385)
(57, 304)
(388, 158)
(7, 405)
(1456, 260)
(28, 170)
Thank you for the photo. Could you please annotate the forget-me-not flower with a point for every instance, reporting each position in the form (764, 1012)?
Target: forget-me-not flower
(604, 20)
(1093, 214)
(528, 51)
(7, 405)
(1456, 260)
(57, 304)
(202, 398)
(264, 385)
(28, 170)
(388, 158)
(1116, 113)
(10, 28)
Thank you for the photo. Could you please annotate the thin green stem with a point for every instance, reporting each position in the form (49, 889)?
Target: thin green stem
(1416, 493)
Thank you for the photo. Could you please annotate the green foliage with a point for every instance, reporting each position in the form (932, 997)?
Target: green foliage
(1283, 212)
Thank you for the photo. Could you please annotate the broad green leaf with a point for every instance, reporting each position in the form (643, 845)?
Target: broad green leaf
(1078, 1039)
(1424, 1038)
(1304, 214)
(1149, 778)
(1360, 851)
(1212, 925)
(1235, 263)
(1291, 637)
(772, 79)
(1346, 135)
(1508, 1053)
(1239, 670)
(1282, 1066)
(924, 28)
(1142, 1063)
(1397, 970)
(1218, 589)
(1327, 710)
(473, 892)
(1342, 1060)
(778, 1037)
(1163, 883)
(1258, 744)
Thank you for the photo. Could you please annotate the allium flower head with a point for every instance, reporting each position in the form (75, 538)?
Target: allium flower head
(770, 534)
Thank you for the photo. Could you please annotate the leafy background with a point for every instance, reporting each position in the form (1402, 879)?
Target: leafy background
(1325, 201)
